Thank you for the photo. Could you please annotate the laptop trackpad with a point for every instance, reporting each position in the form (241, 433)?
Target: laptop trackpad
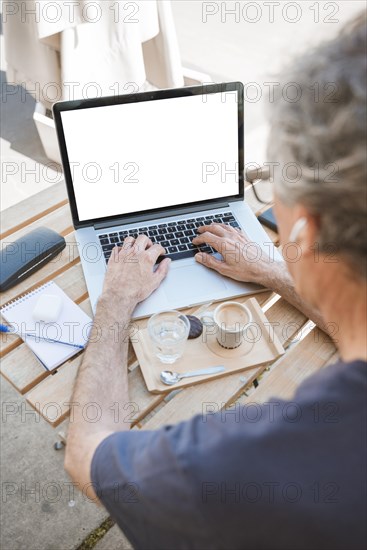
(192, 282)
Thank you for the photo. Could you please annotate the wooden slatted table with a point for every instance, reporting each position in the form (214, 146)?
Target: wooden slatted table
(307, 347)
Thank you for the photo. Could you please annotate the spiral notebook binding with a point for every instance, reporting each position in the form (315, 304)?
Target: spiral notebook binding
(24, 297)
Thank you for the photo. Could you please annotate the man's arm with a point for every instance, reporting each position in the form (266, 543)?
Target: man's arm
(101, 397)
(242, 262)
(279, 280)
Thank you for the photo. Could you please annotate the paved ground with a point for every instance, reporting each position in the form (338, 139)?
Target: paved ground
(227, 50)
(39, 509)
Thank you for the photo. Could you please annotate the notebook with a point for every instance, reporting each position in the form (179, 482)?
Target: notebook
(72, 325)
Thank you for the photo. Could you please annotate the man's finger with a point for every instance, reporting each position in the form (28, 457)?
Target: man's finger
(218, 229)
(128, 242)
(155, 251)
(210, 261)
(210, 238)
(114, 255)
(162, 269)
(230, 229)
(142, 242)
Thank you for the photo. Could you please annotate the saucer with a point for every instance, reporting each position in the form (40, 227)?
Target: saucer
(212, 343)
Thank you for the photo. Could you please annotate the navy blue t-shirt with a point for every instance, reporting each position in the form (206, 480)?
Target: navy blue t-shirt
(280, 475)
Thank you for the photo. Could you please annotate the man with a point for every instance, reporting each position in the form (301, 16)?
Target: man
(220, 483)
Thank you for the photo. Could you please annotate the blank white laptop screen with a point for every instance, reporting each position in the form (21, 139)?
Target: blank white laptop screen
(152, 154)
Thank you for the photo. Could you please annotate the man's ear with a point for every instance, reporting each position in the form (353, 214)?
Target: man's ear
(305, 230)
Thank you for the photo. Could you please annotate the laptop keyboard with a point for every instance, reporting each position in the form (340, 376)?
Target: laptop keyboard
(175, 236)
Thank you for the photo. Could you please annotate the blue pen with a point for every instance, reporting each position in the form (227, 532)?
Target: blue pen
(5, 328)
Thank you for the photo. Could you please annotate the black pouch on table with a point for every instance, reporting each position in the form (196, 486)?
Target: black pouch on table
(22, 257)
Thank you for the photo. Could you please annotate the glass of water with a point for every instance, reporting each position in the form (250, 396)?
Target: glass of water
(168, 331)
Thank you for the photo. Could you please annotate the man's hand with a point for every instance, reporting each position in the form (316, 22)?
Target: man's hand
(130, 277)
(243, 260)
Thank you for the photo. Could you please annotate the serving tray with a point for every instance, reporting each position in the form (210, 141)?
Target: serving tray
(262, 346)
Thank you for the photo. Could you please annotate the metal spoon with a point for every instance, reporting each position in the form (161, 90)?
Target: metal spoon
(170, 378)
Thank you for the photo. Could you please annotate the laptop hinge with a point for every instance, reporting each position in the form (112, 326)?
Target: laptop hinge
(156, 215)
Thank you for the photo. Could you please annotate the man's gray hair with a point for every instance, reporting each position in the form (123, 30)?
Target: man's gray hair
(320, 141)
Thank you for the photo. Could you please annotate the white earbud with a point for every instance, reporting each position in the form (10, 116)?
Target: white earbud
(297, 228)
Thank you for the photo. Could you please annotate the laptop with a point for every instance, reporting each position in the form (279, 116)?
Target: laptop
(161, 163)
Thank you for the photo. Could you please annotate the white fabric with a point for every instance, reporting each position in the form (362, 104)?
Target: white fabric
(90, 48)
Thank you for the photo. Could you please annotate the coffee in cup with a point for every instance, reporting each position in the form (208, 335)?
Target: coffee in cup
(230, 322)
